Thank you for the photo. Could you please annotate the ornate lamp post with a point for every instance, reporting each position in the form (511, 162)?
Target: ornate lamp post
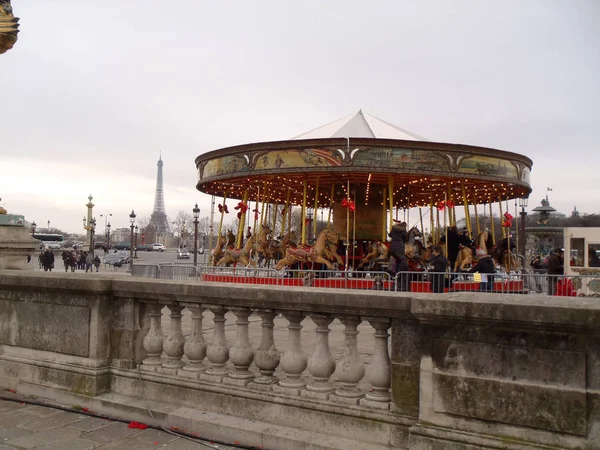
(522, 236)
(132, 220)
(108, 235)
(48, 226)
(135, 242)
(106, 216)
(33, 227)
(196, 212)
(91, 228)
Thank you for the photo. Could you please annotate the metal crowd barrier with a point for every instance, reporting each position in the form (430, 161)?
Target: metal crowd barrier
(513, 283)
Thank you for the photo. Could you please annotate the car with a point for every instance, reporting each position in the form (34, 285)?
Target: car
(183, 253)
(117, 258)
(144, 248)
(158, 247)
(121, 246)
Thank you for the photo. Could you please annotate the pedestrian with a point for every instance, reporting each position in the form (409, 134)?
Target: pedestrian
(439, 264)
(555, 268)
(48, 261)
(398, 245)
(97, 262)
(89, 259)
(452, 244)
(485, 266)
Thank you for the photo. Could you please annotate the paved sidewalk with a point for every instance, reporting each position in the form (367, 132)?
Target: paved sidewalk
(26, 426)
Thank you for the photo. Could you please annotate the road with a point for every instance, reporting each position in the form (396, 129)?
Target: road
(168, 256)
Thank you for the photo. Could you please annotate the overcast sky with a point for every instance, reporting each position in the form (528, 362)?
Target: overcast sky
(93, 92)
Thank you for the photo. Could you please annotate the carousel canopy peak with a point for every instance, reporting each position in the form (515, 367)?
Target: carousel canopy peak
(360, 125)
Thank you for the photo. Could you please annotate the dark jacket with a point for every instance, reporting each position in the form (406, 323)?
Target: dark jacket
(485, 265)
(555, 265)
(453, 241)
(439, 263)
(504, 245)
(48, 259)
(399, 236)
(465, 240)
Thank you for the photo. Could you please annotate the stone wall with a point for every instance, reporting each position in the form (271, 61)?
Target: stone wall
(464, 371)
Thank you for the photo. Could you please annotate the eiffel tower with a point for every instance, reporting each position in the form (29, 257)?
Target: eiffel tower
(158, 220)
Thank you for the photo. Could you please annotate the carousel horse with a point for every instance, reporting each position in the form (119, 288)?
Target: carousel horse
(263, 242)
(230, 240)
(463, 259)
(217, 252)
(508, 260)
(277, 249)
(331, 253)
(482, 248)
(409, 247)
(379, 253)
(311, 253)
(240, 255)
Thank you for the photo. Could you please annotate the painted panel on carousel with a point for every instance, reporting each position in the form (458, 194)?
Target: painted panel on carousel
(401, 158)
(488, 166)
(525, 175)
(310, 157)
(226, 165)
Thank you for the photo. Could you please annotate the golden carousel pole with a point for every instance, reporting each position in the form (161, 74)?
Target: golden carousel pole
(384, 222)
(446, 213)
(238, 242)
(438, 230)
(316, 207)
(222, 214)
(432, 223)
(264, 200)
(391, 199)
(467, 213)
(347, 222)
(286, 212)
(305, 184)
(492, 226)
(256, 208)
(353, 225)
(275, 213)
(330, 204)
(501, 215)
(477, 224)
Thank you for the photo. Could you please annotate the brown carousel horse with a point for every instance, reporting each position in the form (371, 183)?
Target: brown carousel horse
(482, 239)
(263, 242)
(277, 249)
(230, 240)
(463, 259)
(410, 250)
(240, 255)
(217, 252)
(379, 253)
(312, 254)
(508, 260)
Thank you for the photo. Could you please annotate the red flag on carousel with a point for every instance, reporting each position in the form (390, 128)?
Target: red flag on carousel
(348, 204)
(441, 205)
(507, 216)
(450, 204)
(507, 224)
(242, 209)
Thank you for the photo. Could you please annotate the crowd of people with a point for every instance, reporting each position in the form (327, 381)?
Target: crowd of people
(72, 260)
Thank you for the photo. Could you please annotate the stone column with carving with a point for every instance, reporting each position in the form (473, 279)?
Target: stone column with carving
(321, 363)
(9, 27)
(195, 347)
(153, 341)
(294, 359)
(350, 368)
(217, 351)
(379, 369)
(242, 353)
(266, 356)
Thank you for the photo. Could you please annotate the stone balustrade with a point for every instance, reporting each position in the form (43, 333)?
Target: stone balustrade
(309, 368)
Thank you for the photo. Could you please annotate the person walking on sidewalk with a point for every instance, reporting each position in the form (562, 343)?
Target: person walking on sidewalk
(89, 259)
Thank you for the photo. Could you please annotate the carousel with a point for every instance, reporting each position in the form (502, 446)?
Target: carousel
(359, 175)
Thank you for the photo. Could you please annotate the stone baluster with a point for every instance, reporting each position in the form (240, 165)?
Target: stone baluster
(173, 342)
(294, 360)
(242, 353)
(153, 341)
(195, 347)
(380, 367)
(217, 351)
(321, 364)
(350, 368)
(266, 357)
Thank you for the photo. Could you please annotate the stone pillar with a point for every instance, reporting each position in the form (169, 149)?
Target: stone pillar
(379, 369)
(350, 368)
(173, 342)
(217, 351)
(294, 360)
(153, 341)
(195, 347)
(266, 357)
(406, 366)
(242, 353)
(321, 364)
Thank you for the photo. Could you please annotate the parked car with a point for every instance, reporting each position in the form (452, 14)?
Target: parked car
(100, 245)
(183, 253)
(121, 246)
(117, 258)
(144, 248)
(158, 247)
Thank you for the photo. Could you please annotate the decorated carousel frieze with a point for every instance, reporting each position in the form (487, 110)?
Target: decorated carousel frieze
(9, 26)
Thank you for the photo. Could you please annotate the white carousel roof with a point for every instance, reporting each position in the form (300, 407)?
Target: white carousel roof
(360, 124)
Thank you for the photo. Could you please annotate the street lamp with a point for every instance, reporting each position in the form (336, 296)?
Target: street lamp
(48, 226)
(135, 242)
(92, 232)
(33, 227)
(106, 216)
(523, 214)
(132, 220)
(196, 212)
(108, 235)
